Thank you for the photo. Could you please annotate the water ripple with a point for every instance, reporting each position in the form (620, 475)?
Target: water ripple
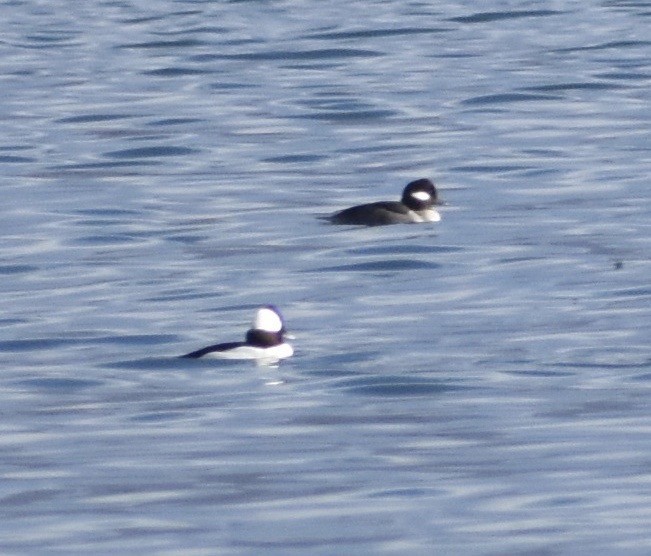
(488, 17)
(388, 265)
(151, 152)
(397, 386)
(374, 33)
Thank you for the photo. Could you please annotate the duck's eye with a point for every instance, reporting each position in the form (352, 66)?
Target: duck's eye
(421, 195)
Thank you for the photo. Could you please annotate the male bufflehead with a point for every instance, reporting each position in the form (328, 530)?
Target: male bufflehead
(415, 206)
(265, 340)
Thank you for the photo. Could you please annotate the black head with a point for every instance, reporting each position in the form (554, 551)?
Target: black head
(419, 195)
(263, 338)
(268, 328)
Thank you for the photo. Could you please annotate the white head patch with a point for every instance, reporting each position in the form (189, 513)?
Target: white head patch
(421, 195)
(268, 320)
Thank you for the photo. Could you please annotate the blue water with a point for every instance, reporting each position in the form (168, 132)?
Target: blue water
(479, 386)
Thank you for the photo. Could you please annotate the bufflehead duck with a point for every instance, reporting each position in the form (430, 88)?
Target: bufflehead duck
(418, 197)
(265, 340)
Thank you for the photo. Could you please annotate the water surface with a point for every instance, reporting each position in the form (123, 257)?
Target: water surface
(476, 386)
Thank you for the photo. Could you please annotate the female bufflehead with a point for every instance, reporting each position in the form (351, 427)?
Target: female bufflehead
(415, 206)
(264, 341)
